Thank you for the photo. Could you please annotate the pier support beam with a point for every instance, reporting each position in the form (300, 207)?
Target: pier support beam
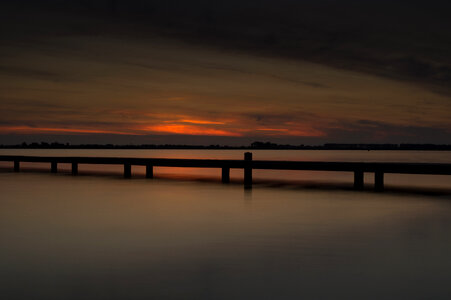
(127, 170)
(379, 181)
(358, 180)
(74, 168)
(225, 175)
(149, 171)
(248, 170)
(16, 166)
(53, 167)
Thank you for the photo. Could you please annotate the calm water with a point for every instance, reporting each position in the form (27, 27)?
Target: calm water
(103, 237)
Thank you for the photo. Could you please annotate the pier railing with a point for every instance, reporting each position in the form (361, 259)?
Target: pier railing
(248, 164)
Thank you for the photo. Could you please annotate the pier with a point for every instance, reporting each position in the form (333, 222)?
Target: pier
(247, 164)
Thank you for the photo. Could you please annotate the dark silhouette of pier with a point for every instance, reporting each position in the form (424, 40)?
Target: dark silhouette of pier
(247, 164)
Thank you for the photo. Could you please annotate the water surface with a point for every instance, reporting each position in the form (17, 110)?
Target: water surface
(103, 237)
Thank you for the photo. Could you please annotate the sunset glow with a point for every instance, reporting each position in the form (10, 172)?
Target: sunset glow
(201, 122)
(230, 85)
(189, 130)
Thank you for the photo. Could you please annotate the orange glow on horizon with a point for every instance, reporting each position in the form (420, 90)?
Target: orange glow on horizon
(194, 127)
(189, 130)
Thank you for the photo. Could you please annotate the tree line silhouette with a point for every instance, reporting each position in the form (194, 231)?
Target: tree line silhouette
(254, 145)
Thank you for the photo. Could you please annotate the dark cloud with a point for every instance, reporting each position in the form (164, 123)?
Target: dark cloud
(369, 131)
(408, 40)
(34, 73)
(280, 118)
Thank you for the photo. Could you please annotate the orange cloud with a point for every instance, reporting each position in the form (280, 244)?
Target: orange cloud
(273, 129)
(178, 118)
(200, 122)
(189, 129)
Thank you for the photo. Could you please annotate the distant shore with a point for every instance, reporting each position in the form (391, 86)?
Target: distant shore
(255, 145)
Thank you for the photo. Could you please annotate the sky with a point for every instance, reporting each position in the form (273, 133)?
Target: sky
(225, 72)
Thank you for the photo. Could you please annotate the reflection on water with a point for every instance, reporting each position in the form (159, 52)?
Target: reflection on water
(66, 237)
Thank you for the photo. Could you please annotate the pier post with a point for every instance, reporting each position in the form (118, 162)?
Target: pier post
(149, 171)
(74, 168)
(248, 170)
(16, 166)
(53, 167)
(379, 181)
(127, 170)
(358, 180)
(225, 175)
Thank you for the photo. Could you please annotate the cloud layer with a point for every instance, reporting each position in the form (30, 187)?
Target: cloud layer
(301, 71)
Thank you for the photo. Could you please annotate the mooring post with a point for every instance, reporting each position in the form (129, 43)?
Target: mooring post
(248, 170)
(149, 171)
(358, 180)
(127, 170)
(225, 175)
(74, 168)
(379, 181)
(53, 167)
(16, 166)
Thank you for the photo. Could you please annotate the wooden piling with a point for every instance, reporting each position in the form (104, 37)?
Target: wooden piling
(53, 167)
(149, 171)
(379, 181)
(225, 175)
(127, 170)
(16, 166)
(74, 168)
(358, 180)
(248, 170)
